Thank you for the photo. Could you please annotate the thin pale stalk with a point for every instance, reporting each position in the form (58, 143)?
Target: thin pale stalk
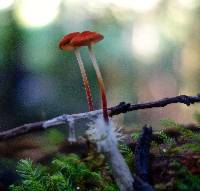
(120, 170)
(85, 80)
(101, 83)
(106, 137)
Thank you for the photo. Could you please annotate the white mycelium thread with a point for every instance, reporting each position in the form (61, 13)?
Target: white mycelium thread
(101, 132)
(71, 136)
(106, 137)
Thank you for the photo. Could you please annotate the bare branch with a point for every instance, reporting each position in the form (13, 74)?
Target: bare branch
(26, 128)
(126, 107)
(116, 110)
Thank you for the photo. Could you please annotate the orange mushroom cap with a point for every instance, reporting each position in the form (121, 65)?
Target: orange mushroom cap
(86, 38)
(65, 41)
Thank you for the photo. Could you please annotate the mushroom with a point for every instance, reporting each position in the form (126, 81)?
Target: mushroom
(65, 45)
(88, 38)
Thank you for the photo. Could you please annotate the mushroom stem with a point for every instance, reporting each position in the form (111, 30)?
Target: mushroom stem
(85, 80)
(101, 83)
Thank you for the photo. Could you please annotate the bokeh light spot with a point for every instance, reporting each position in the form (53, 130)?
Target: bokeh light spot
(5, 4)
(37, 13)
(189, 4)
(136, 5)
(145, 41)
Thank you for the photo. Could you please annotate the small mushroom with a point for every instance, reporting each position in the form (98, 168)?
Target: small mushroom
(65, 45)
(88, 38)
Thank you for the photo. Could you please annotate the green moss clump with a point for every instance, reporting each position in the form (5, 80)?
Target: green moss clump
(135, 136)
(197, 117)
(64, 173)
(184, 180)
(128, 155)
(169, 123)
(190, 147)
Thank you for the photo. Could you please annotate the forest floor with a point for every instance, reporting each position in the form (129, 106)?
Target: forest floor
(174, 163)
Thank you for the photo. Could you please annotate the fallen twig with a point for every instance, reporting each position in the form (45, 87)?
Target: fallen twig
(142, 158)
(142, 155)
(126, 107)
(140, 185)
(116, 110)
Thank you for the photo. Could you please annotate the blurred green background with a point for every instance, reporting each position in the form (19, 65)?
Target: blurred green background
(151, 50)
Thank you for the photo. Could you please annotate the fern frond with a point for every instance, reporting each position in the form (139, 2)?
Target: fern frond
(128, 154)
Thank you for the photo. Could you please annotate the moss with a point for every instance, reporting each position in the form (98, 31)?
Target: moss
(64, 173)
(176, 150)
(94, 174)
(186, 133)
(169, 123)
(184, 180)
(197, 117)
(190, 147)
(128, 155)
(135, 136)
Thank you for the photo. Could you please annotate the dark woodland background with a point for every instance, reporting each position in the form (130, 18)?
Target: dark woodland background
(150, 51)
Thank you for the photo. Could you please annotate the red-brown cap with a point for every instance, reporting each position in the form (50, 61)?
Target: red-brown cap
(65, 41)
(86, 38)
